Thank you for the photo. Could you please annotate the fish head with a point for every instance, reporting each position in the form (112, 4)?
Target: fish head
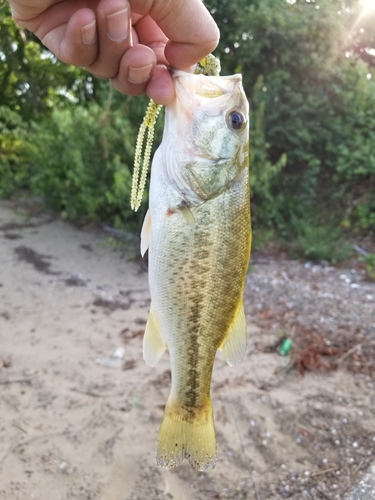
(207, 129)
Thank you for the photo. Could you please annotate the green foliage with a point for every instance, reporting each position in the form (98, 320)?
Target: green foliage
(369, 261)
(32, 80)
(365, 213)
(319, 243)
(263, 173)
(350, 151)
(80, 161)
(12, 134)
(309, 73)
(312, 94)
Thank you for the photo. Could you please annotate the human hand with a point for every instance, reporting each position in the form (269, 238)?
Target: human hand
(129, 41)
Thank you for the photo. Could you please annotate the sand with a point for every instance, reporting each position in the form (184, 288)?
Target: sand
(77, 422)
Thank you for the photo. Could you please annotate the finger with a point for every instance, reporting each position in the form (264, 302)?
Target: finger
(135, 70)
(191, 30)
(79, 44)
(150, 34)
(78, 36)
(69, 32)
(114, 37)
(23, 11)
(160, 87)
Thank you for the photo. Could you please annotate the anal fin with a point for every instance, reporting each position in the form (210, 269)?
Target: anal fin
(153, 342)
(234, 345)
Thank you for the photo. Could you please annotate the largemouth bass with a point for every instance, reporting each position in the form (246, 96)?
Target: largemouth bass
(198, 234)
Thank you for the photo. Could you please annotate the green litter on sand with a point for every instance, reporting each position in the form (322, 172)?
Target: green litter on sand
(286, 347)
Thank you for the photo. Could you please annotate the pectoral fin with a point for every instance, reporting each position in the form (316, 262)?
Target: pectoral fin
(187, 213)
(234, 345)
(146, 233)
(153, 342)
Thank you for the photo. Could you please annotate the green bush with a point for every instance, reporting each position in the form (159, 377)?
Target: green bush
(263, 172)
(319, 243)
(80, 161)
(313, 87)
(369, 261)
(12, 160)
(365, 213)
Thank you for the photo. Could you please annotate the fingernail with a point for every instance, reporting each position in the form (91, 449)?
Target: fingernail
(88, 33)
(139, 75)
(118, 25)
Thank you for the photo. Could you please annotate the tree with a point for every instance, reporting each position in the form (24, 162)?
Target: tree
(317, 98)
(32, 80)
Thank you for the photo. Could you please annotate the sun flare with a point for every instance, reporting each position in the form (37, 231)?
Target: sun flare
(368, 9)
(368, 5)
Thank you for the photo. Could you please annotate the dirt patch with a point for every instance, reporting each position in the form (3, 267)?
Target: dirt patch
(75, 280)
(86, 247)
(39, 262)
(12, 236)
(11, 226)
(111, 305)
(326, 351)
(127, 334)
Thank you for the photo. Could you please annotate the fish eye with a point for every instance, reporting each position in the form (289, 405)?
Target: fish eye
(236, 120)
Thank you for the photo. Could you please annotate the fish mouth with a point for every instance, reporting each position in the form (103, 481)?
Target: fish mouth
(215, 94)
(222, 92)
(179, 72)
(206, 86)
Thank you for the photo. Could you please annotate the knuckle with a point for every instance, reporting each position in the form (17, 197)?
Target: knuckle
(123, 88)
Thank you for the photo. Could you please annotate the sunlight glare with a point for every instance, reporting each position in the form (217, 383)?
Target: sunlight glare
(368, 5)
(368, 8)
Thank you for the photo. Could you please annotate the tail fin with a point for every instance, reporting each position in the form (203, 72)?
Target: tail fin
(187, 433)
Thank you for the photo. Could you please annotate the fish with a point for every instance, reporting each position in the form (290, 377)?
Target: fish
(197, 232)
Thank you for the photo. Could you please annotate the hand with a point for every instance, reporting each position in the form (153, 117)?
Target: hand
(129, 41)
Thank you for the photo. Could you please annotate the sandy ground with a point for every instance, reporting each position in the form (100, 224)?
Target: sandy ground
(73, 427)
